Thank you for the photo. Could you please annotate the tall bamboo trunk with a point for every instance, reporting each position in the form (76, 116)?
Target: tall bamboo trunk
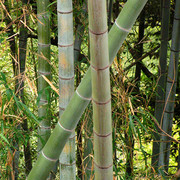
(161, 86)
(101, 95)
(170, 91)
(22, 62)
(66, 82)
(82, 96)
(43, 70)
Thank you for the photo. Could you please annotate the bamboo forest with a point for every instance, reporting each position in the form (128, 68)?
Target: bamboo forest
(89, 89)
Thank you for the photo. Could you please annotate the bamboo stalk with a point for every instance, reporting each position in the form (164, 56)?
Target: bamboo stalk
(170, 91)
(161, 86)
(101, 96)
(43, 69)
(82, 96)
(66, 82)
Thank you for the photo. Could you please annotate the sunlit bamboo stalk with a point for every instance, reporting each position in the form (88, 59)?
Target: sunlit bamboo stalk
(66, 82)
(101, 96)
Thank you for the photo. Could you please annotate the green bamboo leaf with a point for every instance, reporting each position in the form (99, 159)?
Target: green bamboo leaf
(143, 127)
(132, 129)
(4, 139)
(27, 111)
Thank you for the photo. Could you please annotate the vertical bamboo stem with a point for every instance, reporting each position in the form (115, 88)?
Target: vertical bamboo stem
(170, 91)
(66, 81)
(43, 69)
(160, 97)
(101, 96)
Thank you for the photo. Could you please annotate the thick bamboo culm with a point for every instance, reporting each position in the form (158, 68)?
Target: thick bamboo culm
(43, 69)
(82, 96)
(161, 86)
(101, 96)
(170, 91)
(67, 165)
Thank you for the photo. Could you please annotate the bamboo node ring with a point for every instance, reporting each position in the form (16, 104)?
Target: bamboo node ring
(71, 164)
(88, 168)
(101, 103)
(61, 108)
(72, 137)
(160, 101)
(68, 12)
(98, 33)
(103, 167)
(100, 69)
(101, 135)
(169, 112)
(64, 78)
(45, 127)
(171, 81)
(66, 45)
(45, 45)
(175, 50)
(50, 159)
(77, 49)
(121, 28)
(44, 73)
(176, 18)
(68, 130)
(82, 97)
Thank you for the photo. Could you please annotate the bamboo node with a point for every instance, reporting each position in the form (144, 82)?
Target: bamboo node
(44, 73)
(82, 97)
(64, 78)
(45, 45)
(101, 103)
(175, 50)
(68, 130)
(67, 12)
(176, 18)
(98, 33)
(66, 45)
(71, 164)
(77, 49)
(121, 28)
(171, 81)
(45, 127)
(160, 101)
(50, 159)
(61, 108)
(100, 69)
(103, 167)
(169, 112)
(72, 137)
(102, 135)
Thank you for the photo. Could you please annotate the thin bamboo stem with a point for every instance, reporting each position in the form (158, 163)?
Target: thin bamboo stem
(43, 69)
